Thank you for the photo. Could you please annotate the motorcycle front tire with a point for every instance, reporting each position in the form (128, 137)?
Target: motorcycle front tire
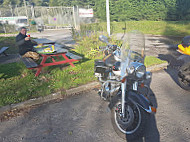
(184, 70)
(140, 122)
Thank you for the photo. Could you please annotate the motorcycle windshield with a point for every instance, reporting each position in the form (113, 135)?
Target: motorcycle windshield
(132, 50)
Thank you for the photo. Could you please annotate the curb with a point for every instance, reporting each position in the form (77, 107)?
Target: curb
(51, 97)
(70, 92)
(158, 67)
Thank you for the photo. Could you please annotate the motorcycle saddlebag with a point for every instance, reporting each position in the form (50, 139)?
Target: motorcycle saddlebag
(99, 66)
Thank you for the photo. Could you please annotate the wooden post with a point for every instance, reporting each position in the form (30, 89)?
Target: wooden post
(17, 10)
(11, 10)
(32, 10)
(26, 11)
(74, 18)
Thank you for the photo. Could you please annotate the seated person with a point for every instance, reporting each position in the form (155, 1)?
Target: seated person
(26, 45)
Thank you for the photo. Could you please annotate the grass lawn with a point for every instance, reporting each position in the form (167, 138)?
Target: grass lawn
(9, 42)
(168, 28)
(19, 84)
(150, 61)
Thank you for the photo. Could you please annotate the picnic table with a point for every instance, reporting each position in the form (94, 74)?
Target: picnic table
(43, 41)
(66, 57)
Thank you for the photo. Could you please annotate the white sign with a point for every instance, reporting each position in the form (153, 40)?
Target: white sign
(85, 12)
(12, 20)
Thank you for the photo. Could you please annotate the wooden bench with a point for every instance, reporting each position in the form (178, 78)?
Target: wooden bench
(3, 49)
(29, 63)
(73, 56)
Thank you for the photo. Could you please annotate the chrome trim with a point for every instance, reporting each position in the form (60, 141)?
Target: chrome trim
(148, 75)
(123, 89)
(136, 65)
(104, 83)
(135, 86)
(148, 110)
(97, 74)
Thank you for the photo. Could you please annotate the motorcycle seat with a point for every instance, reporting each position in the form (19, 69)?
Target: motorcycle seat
(110, 61)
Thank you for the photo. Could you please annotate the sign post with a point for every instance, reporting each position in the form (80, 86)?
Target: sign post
(108, 17)
(85, 12)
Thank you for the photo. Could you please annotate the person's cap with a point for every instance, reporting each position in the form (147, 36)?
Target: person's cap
(23, 28)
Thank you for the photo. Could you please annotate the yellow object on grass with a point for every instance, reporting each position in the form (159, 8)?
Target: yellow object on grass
(184, 50)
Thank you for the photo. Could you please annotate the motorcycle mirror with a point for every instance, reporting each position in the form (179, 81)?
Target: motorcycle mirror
(103, 38)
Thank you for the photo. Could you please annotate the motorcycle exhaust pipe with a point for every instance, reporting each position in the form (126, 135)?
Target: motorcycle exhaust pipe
(108, 81)
(114, 90)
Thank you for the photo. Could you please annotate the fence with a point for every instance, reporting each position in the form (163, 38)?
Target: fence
(50, 17)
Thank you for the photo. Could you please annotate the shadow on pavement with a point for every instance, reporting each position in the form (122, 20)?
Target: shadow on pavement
(151, 133)
(174, 63)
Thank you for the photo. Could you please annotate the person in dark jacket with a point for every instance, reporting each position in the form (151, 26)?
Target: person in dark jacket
(26, 45)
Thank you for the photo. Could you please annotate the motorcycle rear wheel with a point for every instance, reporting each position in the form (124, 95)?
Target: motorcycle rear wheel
(184, 76)
(133, 125)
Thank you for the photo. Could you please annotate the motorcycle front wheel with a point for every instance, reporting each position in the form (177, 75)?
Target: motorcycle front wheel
(131, 126)
(184, 76)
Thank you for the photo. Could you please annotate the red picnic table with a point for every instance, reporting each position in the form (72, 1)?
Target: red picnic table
(59, 52)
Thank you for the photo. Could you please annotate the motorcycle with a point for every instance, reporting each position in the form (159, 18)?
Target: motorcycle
(122, 73)
(184, 70)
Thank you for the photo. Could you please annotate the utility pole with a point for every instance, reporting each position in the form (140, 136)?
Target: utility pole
(108, 17)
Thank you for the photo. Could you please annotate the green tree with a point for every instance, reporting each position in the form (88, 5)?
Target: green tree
(121, 10)
(100, 9)
(171, 9)
(7, 2)
(64, 2)
(53, 3)
(183, 9)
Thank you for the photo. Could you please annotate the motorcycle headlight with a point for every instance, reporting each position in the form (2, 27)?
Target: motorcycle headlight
(140, 71)
(131, 70)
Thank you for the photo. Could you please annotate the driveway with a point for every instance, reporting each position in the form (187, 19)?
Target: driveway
(63, 37)
(85, 118)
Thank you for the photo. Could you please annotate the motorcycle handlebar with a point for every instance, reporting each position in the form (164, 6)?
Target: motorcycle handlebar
(112, 47)
(102, 47)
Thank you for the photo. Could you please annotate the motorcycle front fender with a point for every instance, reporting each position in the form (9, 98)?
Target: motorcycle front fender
(140, 100)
